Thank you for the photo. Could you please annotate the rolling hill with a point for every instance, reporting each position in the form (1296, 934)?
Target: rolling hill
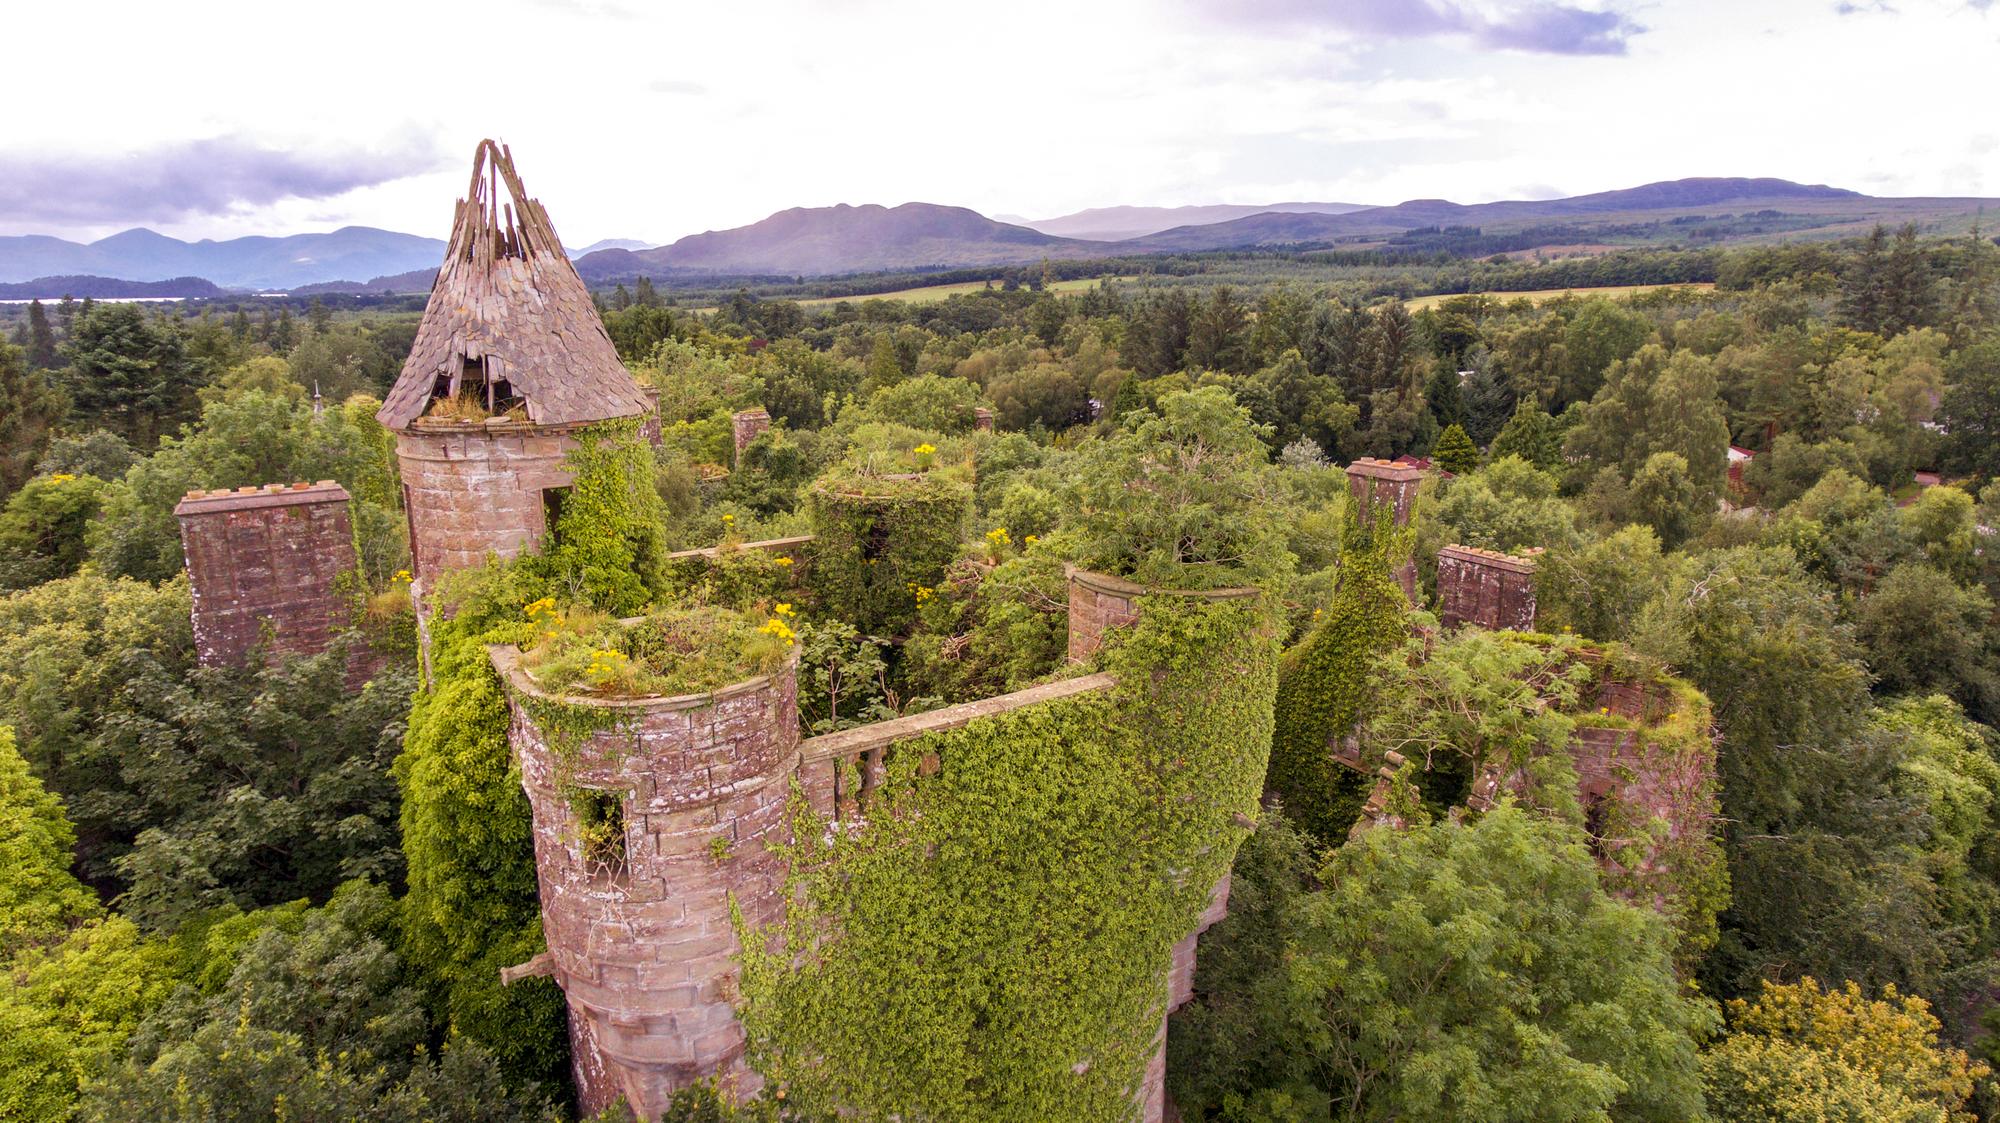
(1112, 224)
(815, 241)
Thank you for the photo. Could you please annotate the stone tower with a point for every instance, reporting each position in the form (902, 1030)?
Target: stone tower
(644, 833)
(510, 360)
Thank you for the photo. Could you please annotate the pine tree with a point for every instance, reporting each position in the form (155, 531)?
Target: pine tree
(28, 410)
(41, 343)
(1444, 395)
(1454, 452)
(1531, 435)
(1907, 299)
(319, 315)
(1861, 296)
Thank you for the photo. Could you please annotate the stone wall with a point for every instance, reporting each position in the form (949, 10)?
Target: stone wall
(473, 489)
(1496, 591)
(747, 425)
(1099, 602)
(275, 557)
(641, 942)
(982, 419)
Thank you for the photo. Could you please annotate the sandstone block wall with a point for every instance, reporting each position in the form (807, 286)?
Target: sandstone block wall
(471, 490)
(982, 419)
(644, 950)
(747, 425)
(1098, 603)
(274, 557)
(1485, 587)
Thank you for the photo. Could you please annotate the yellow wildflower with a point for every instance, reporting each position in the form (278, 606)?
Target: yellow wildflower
(925, 449)
(783, 560)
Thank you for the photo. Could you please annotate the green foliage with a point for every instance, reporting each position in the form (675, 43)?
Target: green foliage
(39, 899)
(990, 629)
(251, 787)
(1454, 452)
(1653, 403)
(609, 541)
(1598, 588)
(66, 1010)
(42, 528)
(1509, 505)
(1530, 434)
(1176, 498)
(99, 453)
(28, 410)
(878, 538)
(317, 1020)
(472, 908)
(688, 650)
(250, 439)
(1045, 871)
(1325, 683)
(130, 371)
(1455, 972)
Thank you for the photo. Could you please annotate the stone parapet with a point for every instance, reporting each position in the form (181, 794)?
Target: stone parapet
(1099, 602)
(638, 924)
(1496, 591)
(278, 559)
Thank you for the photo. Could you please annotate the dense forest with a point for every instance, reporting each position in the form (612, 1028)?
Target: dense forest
(1778, 487)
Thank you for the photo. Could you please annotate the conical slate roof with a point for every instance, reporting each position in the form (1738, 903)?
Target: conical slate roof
(508, 310)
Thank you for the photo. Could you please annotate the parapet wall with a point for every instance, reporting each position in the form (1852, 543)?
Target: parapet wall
(638, 925)
(1496, 591)
(273, 557)
(475, 489)
(1099, 602)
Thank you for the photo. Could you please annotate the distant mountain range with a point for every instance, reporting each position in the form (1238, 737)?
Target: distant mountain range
(238, 263)
(830, 241)
(1113, 224)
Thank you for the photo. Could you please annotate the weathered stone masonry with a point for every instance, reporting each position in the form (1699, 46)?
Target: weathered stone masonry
(644, 947)
(1375, 482)
(1496, 591)
(477, 489)
(277, 557)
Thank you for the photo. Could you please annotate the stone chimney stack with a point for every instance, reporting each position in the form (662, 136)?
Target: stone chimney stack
(1496, 591)
(267, 557)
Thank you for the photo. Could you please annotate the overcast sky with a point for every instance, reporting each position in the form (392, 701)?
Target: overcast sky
(652, 120)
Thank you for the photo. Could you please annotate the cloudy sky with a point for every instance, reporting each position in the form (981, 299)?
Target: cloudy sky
(652, 120)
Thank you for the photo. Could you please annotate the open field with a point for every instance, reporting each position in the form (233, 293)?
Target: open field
(1420, 303)
(930, 293)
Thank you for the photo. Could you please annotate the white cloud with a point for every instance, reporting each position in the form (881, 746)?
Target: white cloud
(653, 121)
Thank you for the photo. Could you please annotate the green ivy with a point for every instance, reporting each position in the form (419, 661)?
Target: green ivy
(993, 945)
(880, 538)
(1326, 681)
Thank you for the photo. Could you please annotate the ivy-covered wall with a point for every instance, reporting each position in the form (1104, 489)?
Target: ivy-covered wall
(880, 538)
(993, 945)
(1325, 682)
